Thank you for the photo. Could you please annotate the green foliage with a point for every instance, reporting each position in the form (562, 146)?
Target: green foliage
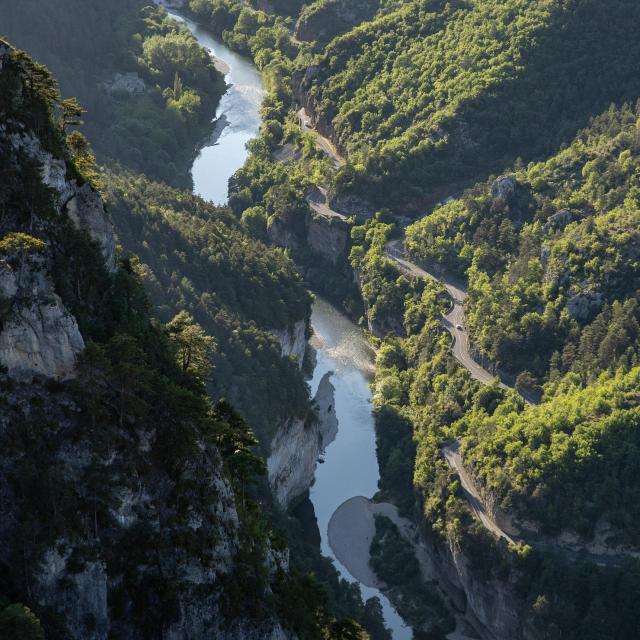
(18, 621)
(196, 257)
(85, 45)
(551, 269)
(431, 93)
(554, 462)
(21, 244)
(193, 346)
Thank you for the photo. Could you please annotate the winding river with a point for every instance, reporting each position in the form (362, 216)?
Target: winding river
(351, 465)
(238, 112)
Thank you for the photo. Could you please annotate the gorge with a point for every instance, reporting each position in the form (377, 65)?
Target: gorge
(345, 361)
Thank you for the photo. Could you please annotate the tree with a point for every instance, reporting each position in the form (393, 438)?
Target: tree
(71, 113)
(22, 246)
(193, 346)
(18, 621)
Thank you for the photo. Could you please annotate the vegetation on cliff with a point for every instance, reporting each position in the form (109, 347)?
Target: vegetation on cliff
(150, 123)
(133, 508)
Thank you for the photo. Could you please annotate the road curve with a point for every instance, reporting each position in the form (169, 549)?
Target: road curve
(324, 143)
(451, 453)
(494, 520)
(455, 318)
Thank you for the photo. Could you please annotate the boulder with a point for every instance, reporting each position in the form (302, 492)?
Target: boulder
(557, 221)
(504, 188)
(581, 306)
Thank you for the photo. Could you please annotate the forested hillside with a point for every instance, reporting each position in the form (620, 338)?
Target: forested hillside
(149, 89)
(129, 511)
(551, 256)
(195, 257)
(432, 93)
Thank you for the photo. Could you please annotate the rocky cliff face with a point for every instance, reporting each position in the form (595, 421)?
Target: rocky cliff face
(83, 205)
(119, 511)
(293, 341)
(38, 335)
(92, 579)
(490, 606)
(298, 444)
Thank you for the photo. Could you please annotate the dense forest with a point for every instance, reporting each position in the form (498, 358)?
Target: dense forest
(430, 93)
(151, 122)
(500, 141)
(197, 258)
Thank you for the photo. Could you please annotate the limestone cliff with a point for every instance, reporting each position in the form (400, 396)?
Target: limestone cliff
(38, 335)
(123, 492)
(83, 205)
(298, 444)
(293, 341)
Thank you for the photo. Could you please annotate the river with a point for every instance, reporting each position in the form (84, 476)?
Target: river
(239, 108)
(351, 465)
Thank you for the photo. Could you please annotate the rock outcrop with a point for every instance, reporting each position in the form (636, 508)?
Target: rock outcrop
(329, 238)
(298, 445)
(86, 210)
(504, 188)
(83, 205)
(38, 336)
(129, 83)
(582, 306)
(293, 341)
(557, 221)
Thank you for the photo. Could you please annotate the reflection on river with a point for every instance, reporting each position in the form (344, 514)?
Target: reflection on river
(351, 465)
(239, 108)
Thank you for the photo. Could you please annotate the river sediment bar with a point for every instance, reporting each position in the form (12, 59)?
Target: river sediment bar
(351, 531)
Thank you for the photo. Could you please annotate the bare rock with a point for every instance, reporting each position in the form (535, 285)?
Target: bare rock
(298, 444)
(86, 210)
(38, 335)
(581, 306)
(293, 341)
(557, 221)
(329, 238)
(130, 83)
(504, 188)
(83, 601)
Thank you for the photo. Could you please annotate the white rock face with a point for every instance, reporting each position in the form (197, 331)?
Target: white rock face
(39, 335)
(130, 83)
(86, 210)
(83, 601)
(53, 171)
(504, 188)
(298, 444)
(293, 341)
(83, 204)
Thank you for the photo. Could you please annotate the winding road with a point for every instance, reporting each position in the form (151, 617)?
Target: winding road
(454, 321)
(324, 143)
(493, 519)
